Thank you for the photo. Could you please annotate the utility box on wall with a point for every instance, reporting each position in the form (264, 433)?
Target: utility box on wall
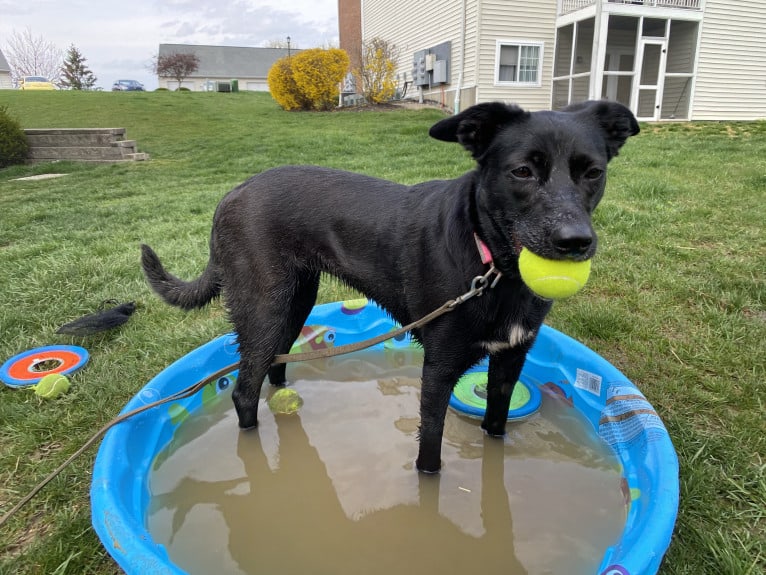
(440, 72)
(419, 73)
(431, 66)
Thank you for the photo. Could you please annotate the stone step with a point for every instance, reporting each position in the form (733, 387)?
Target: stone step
(81, 145)
(137, 157)
(75, 137)
(77, 153)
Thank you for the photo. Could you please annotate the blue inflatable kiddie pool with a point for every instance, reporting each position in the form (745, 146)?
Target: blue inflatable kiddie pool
(557, 364)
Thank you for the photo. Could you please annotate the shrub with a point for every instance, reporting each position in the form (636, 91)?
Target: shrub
(13, 142)
(283, 88)
(377, 70)
(308, 80)
(318, 73)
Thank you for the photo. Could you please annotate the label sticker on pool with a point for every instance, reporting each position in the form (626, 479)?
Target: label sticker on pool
(628, 417)
(588, 381)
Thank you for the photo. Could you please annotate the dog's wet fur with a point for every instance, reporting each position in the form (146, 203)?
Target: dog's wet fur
(538, 178)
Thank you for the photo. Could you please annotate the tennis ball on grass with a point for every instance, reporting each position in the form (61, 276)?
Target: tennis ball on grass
(285, 401)
(552, 279)
(52, 385)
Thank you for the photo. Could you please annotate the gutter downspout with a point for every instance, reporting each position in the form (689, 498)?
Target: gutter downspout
(462, 59)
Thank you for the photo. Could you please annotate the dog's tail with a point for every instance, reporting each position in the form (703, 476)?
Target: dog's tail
(175, 291)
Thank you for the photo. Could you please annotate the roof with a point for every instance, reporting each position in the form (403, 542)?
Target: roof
(4, 66)
(228, 61)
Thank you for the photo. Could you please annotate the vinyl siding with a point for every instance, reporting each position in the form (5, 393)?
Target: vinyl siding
(5, 73)
(413, 26)
(730, 81)
(516, 21)
(731, 75)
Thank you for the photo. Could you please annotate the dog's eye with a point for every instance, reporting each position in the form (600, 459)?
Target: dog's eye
(594, 174)
(522, 172)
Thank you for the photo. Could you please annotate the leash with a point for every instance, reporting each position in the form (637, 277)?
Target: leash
(478, 285)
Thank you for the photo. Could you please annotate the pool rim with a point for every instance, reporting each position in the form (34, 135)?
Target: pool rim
(117, 483)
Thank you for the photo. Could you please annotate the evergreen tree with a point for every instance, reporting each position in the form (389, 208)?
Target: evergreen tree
(75, 75)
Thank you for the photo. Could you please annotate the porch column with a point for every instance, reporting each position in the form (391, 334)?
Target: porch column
(600, 38)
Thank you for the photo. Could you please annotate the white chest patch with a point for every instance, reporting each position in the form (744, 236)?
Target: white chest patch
(517, 335)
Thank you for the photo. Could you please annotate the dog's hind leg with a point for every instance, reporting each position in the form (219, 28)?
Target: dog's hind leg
(304, 299)
(267, 320)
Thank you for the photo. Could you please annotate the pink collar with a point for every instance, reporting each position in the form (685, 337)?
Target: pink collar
(486, 255)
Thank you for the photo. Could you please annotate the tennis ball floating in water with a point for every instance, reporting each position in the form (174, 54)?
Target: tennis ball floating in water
(52, 385)
(285, 401)
(552, 279)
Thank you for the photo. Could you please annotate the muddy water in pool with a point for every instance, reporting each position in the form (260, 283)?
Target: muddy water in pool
(333, 488)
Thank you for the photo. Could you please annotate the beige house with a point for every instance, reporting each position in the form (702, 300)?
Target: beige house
(219, 65)
(5, 73)
(665, 59)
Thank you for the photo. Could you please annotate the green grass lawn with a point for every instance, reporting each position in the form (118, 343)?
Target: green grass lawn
(675, 301)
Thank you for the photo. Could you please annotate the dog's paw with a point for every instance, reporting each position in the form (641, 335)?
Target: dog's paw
(426, 467)
(248, 420)
(494, 430)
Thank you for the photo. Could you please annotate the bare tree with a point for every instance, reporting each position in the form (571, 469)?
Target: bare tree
(177, 65)
(30, 55)
(277, 43)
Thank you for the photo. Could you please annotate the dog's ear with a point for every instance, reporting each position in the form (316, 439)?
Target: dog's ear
(476, 127)
(616, 121)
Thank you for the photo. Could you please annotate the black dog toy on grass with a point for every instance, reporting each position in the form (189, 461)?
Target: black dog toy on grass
(99, 321)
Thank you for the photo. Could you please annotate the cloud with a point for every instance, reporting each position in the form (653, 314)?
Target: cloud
(119, 39)
(244, 23)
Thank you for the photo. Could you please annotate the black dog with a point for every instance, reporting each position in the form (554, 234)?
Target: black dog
(539, 177)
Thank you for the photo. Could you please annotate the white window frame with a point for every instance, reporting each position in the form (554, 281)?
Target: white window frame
(519, 43)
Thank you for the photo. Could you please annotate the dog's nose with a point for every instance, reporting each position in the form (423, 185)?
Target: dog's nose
(572, 240)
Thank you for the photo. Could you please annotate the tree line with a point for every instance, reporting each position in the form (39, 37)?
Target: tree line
(308, 80)
(30, 55)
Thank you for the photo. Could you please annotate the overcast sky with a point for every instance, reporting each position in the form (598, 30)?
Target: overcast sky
(119, 38)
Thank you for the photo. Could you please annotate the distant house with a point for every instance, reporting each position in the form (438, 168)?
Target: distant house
(249, 66)
(665, 59)
(5, 73)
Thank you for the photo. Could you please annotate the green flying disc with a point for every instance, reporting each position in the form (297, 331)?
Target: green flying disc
(470, 397)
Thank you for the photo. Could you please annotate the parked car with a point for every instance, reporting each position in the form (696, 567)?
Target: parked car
(36, 83)
(127, 86)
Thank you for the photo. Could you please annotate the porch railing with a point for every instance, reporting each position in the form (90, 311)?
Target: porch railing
(566, 6)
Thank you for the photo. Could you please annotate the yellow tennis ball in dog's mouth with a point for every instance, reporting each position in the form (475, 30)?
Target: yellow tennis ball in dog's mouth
(552, 279)
(52, 385)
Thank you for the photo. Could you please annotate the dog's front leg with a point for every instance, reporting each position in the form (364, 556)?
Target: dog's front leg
(439, 379)
(504, 370)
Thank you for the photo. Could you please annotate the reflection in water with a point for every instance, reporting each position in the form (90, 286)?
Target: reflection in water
(333, 489)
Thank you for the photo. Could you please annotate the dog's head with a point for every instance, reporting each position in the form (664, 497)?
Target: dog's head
(540, 174)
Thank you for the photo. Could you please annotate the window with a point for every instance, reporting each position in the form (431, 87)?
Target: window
(519, 63)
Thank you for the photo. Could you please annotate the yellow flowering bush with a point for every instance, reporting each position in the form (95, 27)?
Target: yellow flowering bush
(377, 72)
(309, 79)
(282, 86)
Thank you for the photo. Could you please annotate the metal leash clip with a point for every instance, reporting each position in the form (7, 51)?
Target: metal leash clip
(478, 285)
